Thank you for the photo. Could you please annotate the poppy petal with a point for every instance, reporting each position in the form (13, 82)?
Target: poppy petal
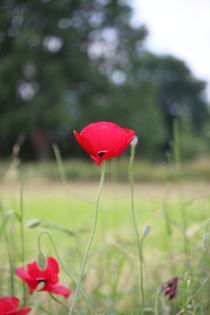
(85, 144)
(52, 265)
(57, 289)
(23, 274)
(34, 271)
(52, 270)
(48, 278)
(50, 274)
(7, 304)
(104, 140)
(96, 159)
(122, 138)
(22, 311)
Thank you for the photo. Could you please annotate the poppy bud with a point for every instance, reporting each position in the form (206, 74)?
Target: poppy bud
(33, 223)
(134, 142)
(146, 230)
(41, 259)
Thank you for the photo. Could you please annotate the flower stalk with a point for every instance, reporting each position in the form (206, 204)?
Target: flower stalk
(90, 240)
(138, 239)
(57, 301)
(178, 168)
(63, 266)
(22, 240)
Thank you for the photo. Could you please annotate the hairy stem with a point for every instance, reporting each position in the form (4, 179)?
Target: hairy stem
(139, 242)
(57, 301)
(22, 241)
(90, 240)
(63, 266)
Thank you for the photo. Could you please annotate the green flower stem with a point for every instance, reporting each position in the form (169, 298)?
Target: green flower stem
(9, 253)
(157, 301)
(63, 266)
(190, 298)
(55, 250)
(178, 168)
(59, 163)
(22, 242)
(44, 310)
(90, 240)
(139, 241)
(11, 263)
(57, 301)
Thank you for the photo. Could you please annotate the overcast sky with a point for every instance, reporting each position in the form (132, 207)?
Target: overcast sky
(178, 27)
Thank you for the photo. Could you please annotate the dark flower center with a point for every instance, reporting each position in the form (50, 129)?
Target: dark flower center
(101, 153)
(41, 284)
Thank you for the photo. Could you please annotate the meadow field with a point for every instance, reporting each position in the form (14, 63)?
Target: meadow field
(104, 158)
(172, 218)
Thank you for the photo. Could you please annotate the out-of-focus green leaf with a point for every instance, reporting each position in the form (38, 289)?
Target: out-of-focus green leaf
(18, 216)
(5, 219)
(33, 223)
(41, 259)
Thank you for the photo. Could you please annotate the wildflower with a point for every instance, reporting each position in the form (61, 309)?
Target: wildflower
(43, 280)
(8, 306)
(170, 288)
(104, 140)
(146, 230)
(134, 142)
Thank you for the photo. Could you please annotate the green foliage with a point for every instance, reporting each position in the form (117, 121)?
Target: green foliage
(41, 259)
(112, 272)
(178, 92)
(192, 144)
(64, 64)
(5, 220)
(145, 171)
(49, 74)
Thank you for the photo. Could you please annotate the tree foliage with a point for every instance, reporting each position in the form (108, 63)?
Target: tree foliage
(66, 63)
(179, 93)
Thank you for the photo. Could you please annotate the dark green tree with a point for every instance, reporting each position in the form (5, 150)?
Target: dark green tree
(178, 92)
(56, 57)
(66, 63)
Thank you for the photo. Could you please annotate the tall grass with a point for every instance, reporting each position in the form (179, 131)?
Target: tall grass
(110, 282)
(116, 170)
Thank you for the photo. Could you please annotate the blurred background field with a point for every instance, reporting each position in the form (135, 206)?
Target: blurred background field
(66, 209)
(116, 171)
(65, 64)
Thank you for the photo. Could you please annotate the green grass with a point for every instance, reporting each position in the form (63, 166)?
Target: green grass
(172, 199)
(116, 170)
(111, 278)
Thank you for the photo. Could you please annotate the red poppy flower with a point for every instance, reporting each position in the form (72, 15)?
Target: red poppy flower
(104, 140)
(170, 288)
(8, 306)
(34, 277)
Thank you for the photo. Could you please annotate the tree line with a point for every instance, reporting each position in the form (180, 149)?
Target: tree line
(66, 63)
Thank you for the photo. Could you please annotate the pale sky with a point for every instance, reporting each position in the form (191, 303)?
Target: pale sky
(178, 27)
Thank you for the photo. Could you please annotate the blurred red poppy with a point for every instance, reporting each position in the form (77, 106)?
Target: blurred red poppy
(8, 306)
(43, 280)
(170, 288)
(104, 140)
